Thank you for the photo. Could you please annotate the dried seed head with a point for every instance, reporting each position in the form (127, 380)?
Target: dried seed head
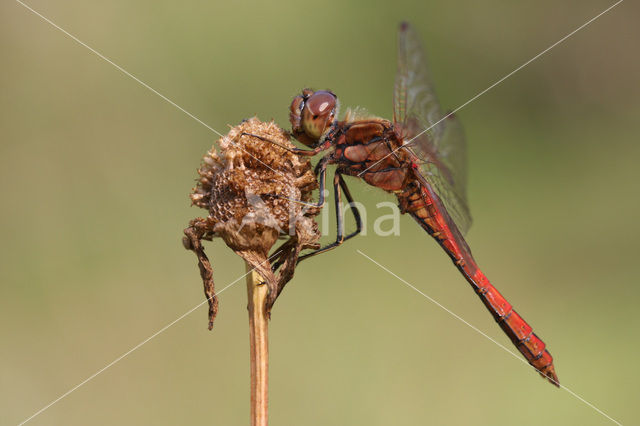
(254, 191)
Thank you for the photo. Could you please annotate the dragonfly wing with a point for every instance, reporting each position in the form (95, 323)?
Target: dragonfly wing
(446, 170)
(413, 89)
(435, 138)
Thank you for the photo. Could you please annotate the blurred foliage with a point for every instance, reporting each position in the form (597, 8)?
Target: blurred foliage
(95, 172)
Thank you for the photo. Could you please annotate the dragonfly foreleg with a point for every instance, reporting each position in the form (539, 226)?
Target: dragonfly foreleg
(297, 151)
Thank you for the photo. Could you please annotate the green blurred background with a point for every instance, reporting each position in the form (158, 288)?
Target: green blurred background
(96, 171)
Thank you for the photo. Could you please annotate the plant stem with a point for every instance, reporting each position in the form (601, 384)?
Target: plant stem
(259, 342)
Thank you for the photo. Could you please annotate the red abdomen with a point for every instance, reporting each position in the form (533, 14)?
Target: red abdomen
(369, 149)
(426, 209)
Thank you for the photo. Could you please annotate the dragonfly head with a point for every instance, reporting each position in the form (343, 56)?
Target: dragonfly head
(312, 114)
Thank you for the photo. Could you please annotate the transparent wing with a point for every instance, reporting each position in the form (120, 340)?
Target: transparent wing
(414, 96)
(444, 167)
(438, 142)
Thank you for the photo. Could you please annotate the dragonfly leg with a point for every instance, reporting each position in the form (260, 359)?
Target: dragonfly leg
(321, 173)
(352, 207)
(338, 184)
(297, 151)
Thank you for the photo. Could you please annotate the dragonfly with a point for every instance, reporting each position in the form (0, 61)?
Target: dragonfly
(420, 157)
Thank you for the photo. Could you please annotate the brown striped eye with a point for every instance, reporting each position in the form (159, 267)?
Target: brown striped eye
(318, 113)
(321, 103)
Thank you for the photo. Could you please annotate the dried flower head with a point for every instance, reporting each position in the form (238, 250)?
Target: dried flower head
(255, 192)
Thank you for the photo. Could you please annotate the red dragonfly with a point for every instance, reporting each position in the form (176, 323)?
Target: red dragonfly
(420, 157)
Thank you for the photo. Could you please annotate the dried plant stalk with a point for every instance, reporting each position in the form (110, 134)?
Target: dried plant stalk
(259, 341)
(251, 189)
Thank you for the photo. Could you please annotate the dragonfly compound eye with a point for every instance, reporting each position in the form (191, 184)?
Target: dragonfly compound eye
(318, 113)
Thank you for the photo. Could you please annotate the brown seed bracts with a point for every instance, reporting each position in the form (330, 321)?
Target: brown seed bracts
(254, 192)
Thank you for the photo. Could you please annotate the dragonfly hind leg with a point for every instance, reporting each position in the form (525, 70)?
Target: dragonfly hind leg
(339, 185)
